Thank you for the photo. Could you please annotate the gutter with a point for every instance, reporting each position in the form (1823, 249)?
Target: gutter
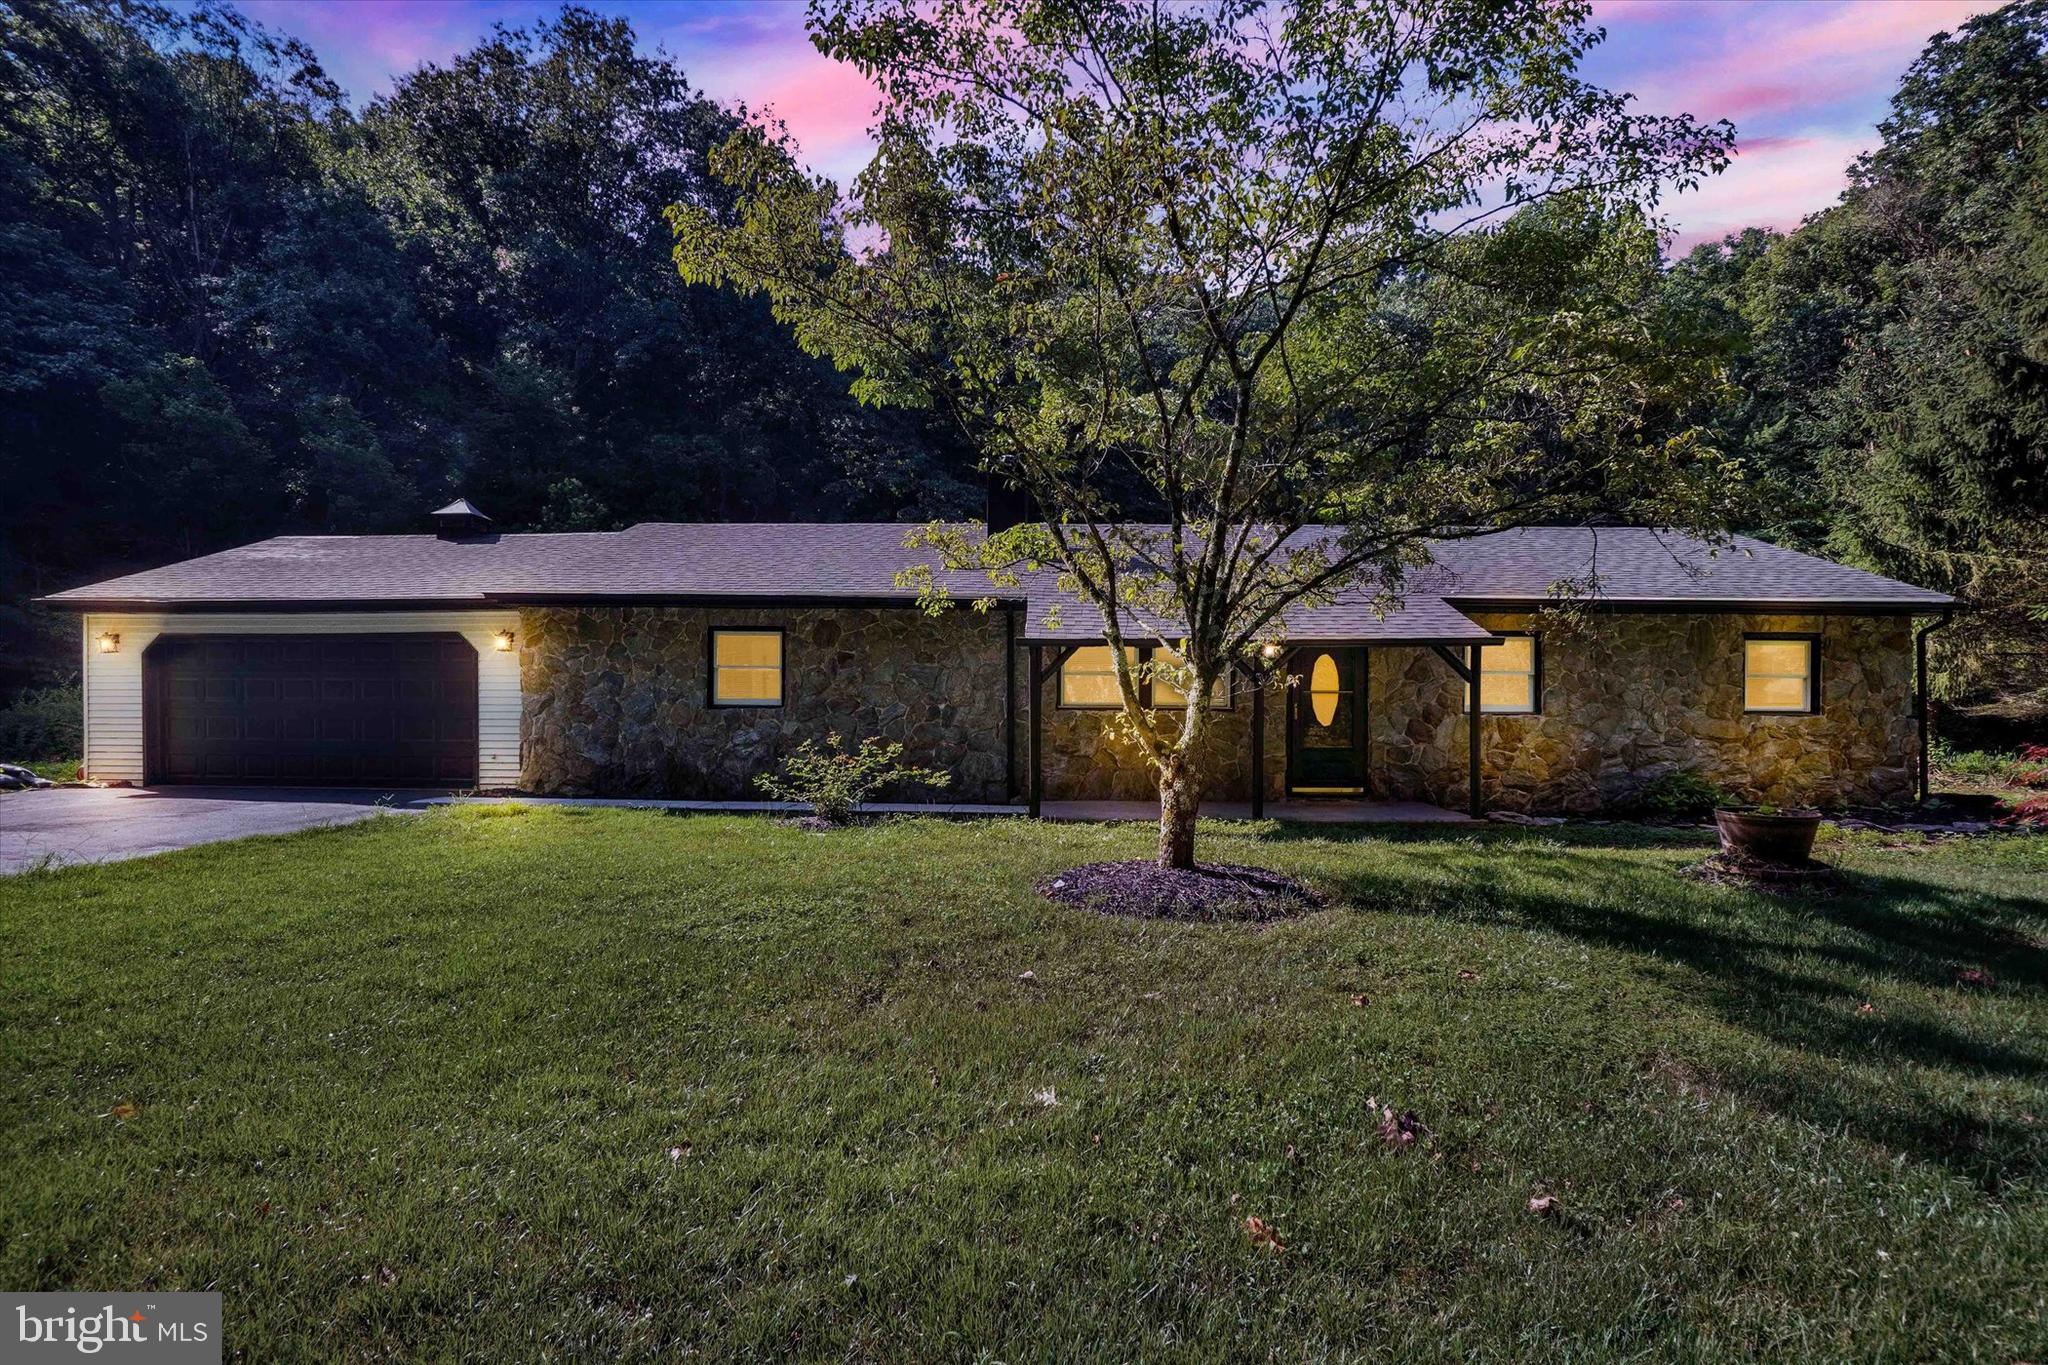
(1920, 699)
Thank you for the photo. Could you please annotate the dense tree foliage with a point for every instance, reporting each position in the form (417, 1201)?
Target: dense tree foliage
(1200, 277)
(1891, 376)
(231, 307)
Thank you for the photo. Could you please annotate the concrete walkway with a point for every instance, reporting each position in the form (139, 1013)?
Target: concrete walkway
(107, 824)
(1299, 812)
(724, 807)
(1304, 812)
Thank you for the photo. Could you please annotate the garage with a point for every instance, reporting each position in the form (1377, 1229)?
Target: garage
(395, 710)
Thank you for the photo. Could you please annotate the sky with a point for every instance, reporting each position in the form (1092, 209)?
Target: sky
(1804, 81)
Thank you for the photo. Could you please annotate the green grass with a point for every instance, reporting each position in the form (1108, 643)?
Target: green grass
(508, 1083)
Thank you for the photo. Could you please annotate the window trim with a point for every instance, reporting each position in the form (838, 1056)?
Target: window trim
(1812, 642)
(711, 668)
(1061, 699)
(1145, 699)
(1535, 675)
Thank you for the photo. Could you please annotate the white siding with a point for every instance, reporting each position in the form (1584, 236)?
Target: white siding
(113, 682)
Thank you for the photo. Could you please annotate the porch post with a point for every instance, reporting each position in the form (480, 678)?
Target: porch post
(1037, 673)
(1258, 747)
(1009, 703)
(1474, 804)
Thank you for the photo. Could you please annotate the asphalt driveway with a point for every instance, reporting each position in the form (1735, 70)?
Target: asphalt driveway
(106, 824)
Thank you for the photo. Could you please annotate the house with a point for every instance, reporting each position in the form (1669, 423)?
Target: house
(684, 659)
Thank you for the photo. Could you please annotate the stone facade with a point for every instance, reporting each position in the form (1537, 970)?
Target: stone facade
(616, 702)
(617, 699)
(1089, 756)
(1628, 697)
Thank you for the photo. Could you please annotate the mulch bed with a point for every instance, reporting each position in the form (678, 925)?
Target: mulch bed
(1207, 893)
(1810, 878)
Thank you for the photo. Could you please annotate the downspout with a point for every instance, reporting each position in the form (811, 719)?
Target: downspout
(1920, 699)
(85, 697)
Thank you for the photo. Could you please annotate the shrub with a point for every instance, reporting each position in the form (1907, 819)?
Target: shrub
(1676, 795)
(834, 783)
(44, 723)
(2027, 768)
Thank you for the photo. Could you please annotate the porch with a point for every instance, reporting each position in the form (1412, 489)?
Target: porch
(1315, 761)
(1302, 812)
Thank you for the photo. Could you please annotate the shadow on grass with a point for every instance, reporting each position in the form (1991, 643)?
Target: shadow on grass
(1785, 968)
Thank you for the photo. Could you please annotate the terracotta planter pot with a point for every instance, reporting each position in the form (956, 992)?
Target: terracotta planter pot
(1783, 839)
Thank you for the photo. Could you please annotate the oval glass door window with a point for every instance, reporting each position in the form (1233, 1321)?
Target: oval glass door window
(1322, 689)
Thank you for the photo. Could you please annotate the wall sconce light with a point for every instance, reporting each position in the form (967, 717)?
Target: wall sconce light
(502, 642)
(109, 642)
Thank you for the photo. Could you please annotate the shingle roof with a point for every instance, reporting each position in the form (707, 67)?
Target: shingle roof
(860, 561)
(1645, 564)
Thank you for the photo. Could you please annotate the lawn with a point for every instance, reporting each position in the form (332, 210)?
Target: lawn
(507, 1083)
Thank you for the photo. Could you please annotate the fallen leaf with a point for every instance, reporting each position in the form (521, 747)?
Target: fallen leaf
(1027, 977)
(124, 1111)
(1467, 974)
(678, 1153)
(1866, 1008)
(1400, 1129)
(1544, 1205)
(1975, 978)
(386, 1276)
(1263, 1235)
(1359, 1002)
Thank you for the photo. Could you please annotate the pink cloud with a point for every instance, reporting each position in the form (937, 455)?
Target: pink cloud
(1773, 182)
(1776, 59)
(829, 106)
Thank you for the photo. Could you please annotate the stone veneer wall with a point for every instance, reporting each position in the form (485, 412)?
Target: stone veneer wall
(616, 703)
(617, 698)
(1088, 757)
(1627, 697)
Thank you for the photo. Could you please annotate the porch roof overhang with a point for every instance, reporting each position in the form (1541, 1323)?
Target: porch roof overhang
(1419, 619)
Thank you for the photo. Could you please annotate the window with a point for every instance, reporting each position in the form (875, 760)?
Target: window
(1088, 677)
(746, 668)
(1510, 683)
(1779, 673)
(1165, 693)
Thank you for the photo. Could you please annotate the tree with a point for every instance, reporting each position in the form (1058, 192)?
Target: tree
(1253, 301)
(1891, 394)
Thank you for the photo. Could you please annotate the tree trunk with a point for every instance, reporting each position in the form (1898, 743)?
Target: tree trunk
(1180, 800)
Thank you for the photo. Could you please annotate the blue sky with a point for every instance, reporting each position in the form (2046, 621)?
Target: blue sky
(1804, 81)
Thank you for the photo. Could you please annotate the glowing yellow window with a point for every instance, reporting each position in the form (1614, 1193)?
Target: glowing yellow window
(1165, 693)
(1324, 690)
(746, 668)
(1777, 675)
(1507, 677)
(1088, 677)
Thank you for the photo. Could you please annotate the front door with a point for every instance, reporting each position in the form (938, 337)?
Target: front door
(1326, 722)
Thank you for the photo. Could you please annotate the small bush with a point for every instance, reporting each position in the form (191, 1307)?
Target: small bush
(2027, 768)
(43, 724)
(1678, 795)
(834, 783)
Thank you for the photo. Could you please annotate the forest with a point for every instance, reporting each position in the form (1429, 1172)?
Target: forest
(233, 305)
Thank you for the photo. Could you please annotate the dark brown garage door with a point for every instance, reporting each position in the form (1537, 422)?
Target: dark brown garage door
(312, 710)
